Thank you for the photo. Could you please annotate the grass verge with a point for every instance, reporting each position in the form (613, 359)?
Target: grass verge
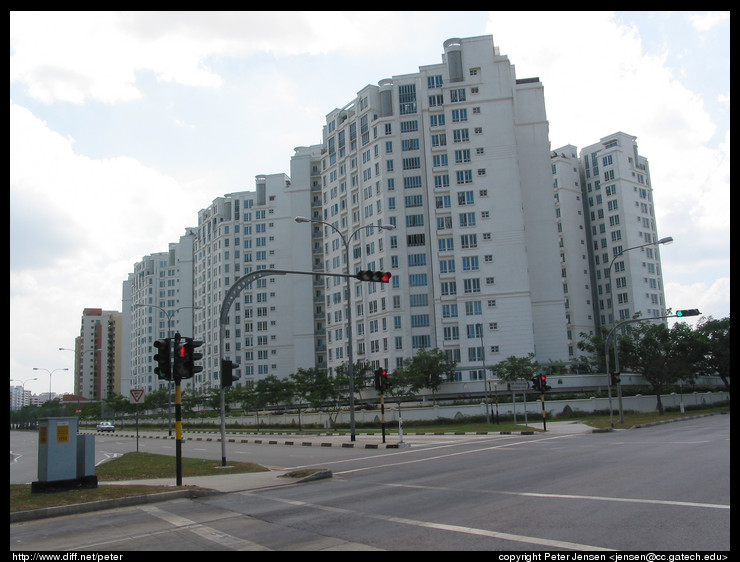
(130, 466)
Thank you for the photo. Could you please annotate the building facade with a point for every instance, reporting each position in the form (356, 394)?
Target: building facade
(270, 326)
(573, 246)
(157, 303)
(97, 354)
(623, 235)
(456, 157)
(498, 245)
(19, 397)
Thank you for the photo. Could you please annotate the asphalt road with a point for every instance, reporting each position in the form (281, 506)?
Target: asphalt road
(660, 488)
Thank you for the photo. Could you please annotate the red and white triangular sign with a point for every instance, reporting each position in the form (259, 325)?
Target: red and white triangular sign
(137, 393)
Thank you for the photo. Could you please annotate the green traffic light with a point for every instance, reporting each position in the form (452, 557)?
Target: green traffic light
(688, 312)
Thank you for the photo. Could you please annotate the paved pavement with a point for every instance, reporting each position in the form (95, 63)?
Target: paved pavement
(260, 480)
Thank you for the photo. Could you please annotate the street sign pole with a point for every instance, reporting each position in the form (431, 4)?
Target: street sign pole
(136, 395)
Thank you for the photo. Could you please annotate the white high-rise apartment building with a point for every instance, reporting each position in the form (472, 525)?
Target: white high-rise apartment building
(97, 354)
(19, 397)
(621, 217)
(157, 303)
(270, 326)
(573, 242)
(457, 158)
(499, 247)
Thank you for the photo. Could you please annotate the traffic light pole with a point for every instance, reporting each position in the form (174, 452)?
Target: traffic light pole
(229, 299)
(382, 413)
(178, 416)
(680, 314)
(544, 413)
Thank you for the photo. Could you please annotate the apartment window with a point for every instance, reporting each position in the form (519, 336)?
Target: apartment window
(460, 135)
(445, 244)
(467, 219)
(442, 181)
(459, 115)
(410, 144)
(418, 280)
(470, 263)
(436, 100)
(434, 81)
(462, 156)
(407, 99)
(418, 342)
(439, 160)
(437, 120)
(457, 95)
(464, 176)
(411, 163)
(471, 286)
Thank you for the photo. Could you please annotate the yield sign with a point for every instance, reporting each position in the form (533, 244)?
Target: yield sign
(137, 393)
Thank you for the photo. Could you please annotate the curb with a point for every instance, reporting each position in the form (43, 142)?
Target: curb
(88, 507)
(78, 508)
(265, 440)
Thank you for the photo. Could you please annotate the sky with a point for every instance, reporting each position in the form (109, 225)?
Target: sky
(123, 125)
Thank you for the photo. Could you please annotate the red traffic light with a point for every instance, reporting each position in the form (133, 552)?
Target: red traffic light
(374, 276)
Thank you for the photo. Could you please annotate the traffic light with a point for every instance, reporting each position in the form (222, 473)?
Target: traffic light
(536, 382)
(614, 378)
(544, 387)
(228, 374)
(374, 276)
(162, 357)
(185, 358)
(688, 312)
(381, 379)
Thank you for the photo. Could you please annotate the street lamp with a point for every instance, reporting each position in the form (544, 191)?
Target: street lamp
(350, 369)
(23, 386)
(666, 240)
(50, 373)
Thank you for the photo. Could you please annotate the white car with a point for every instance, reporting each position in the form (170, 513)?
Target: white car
(106, 426)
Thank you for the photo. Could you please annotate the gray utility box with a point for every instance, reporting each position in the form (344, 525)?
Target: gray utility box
(66, 460)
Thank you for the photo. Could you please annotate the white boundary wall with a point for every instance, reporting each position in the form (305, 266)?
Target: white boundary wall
(639, 403)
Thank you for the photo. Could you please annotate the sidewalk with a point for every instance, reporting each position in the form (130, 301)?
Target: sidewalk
(239, 482)
(196, 486)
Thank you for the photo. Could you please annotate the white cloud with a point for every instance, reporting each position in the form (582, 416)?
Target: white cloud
(75, 56)
(708, 20)
(92, 201)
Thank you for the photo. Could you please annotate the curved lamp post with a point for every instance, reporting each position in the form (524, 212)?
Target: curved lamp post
(50, 373)
(23, 386)
(350, 369)
(666, 240)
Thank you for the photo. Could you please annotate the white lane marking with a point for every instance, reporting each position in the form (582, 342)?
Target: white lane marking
(565, 496)
(472, 451)
(442, 526)
(204, 531)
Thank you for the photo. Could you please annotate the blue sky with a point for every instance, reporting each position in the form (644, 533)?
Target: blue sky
(124, 125)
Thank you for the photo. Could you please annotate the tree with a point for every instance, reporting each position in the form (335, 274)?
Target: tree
(662, 356)
(314, 387)
(156, 400)
(361, 373)
(117, 403)
(272, 390)
(429, 368)
(516, 368)
(716, 336)
(593, 345)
